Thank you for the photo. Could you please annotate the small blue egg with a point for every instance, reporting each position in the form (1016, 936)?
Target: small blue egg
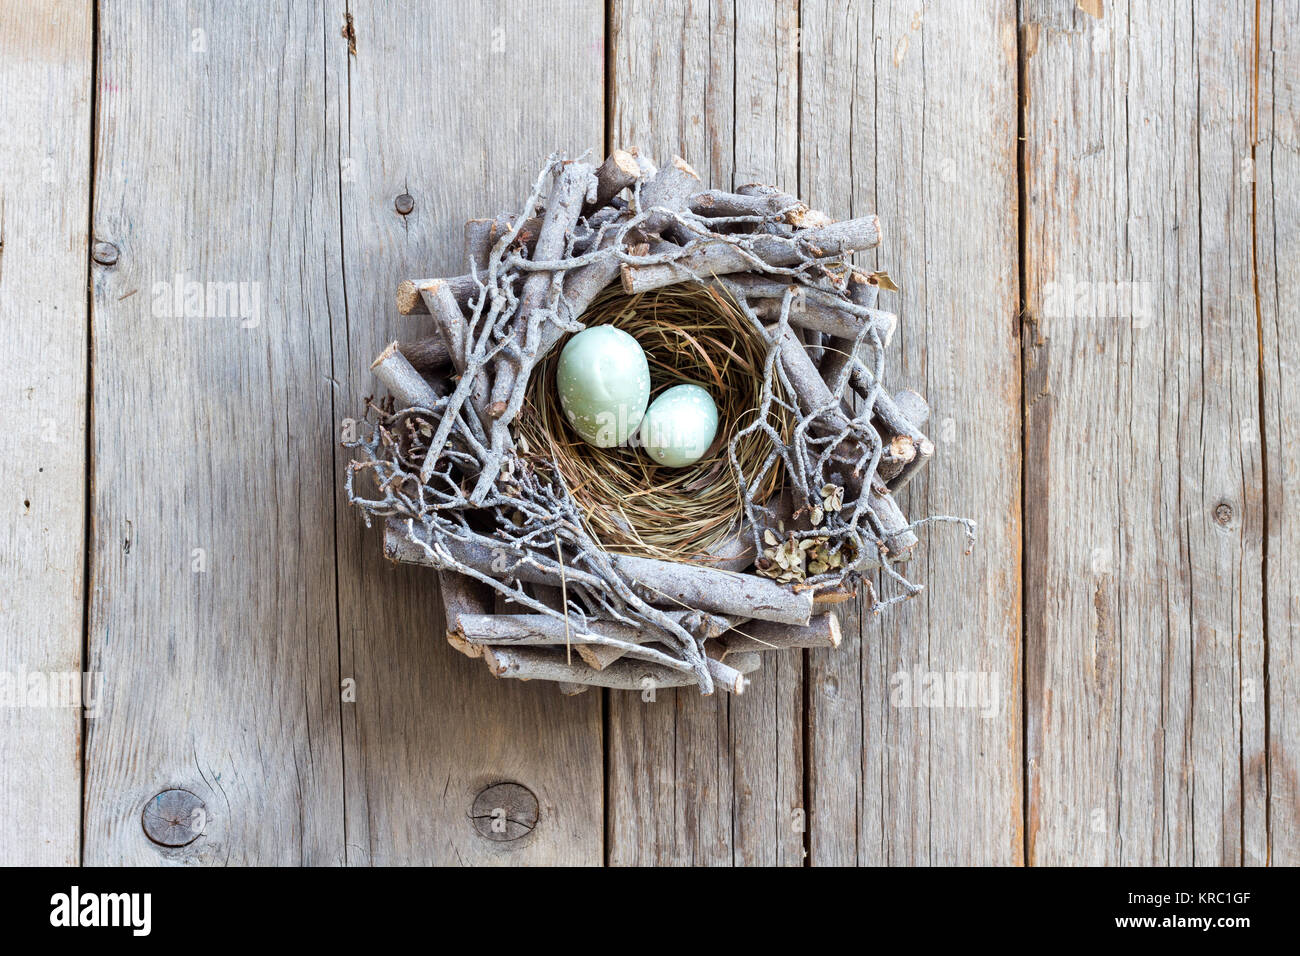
(679, 426)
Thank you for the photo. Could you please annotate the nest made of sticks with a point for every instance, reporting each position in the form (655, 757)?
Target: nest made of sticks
(692, 334)
(447, 463)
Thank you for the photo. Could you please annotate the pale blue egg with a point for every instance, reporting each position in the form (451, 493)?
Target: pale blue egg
(604, 383)
(679, 426)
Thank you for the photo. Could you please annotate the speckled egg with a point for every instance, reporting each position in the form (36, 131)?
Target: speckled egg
(604, 383)
(679, 426)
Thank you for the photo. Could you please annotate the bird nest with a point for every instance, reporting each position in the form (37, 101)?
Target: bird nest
(692, 334)
(620, 573)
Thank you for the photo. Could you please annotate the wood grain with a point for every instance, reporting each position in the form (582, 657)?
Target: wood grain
(212, 612)
(910, 114)
(1276, 202)
(45, 102)
(691, 779)
(1145, 739)
(430, 728)
(258, 660)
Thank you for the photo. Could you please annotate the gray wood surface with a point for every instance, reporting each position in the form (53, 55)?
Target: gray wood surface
(709, 780)
(212, 608)
(1145, 641)
(44, 200)
(272, 691)
(1276, 283)
(430, 728)
(911, 115)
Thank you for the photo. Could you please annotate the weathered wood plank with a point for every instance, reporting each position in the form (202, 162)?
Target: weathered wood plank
(212, 610)
(692, 779)
(1277, 284)
(1144, 474)
(911, 115)
(45, 104)
(430, 729)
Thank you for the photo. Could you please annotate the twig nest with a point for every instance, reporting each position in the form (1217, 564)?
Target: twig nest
(633, 503)
(679, 426)
(655, 565)
(604, 384)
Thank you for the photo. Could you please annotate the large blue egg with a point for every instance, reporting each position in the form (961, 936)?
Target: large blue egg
(604, 383)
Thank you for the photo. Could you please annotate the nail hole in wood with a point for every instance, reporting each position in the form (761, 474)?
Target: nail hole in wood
(105, 253)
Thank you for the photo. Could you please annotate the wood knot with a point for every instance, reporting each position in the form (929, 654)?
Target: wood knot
(1223, 513)
(174, 818)
(404, 204)
(105, 253)
(504, 812)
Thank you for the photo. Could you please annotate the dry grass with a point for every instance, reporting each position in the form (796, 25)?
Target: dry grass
(692, 334)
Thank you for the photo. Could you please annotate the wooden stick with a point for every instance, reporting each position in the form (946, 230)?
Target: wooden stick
(584, 239)
(442, 305)
(667, 584)
(808, 219)
(447, 316)
(863, 291)
(599, 644)
(884, 408)
(602, 641)
(600, 656)
(828, 319)
(716, 203)
(675, 585)
(427, 354)
(481, 553)
(813, 343)
(812, 393)
(898, 538)
(832, 596)
(480, 236)
(897, 450)
(924, 452)
(669, 191)
(760, 201)
(734, 553)
(410, 302)
(722, 258)
(811, 309)
(746, 662)
(403, 382)
(527, 663)
(822, 631)
(575, 184)
(619, 171)
(913, 407)
(462, 596)
(668, 188)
